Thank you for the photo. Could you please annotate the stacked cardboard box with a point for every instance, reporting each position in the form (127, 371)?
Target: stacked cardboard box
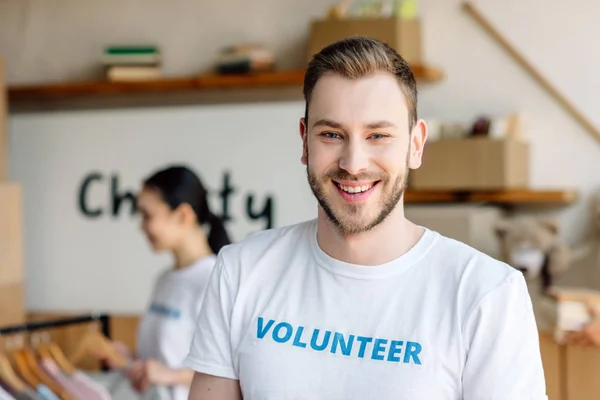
(3, 127)
(469, 223)
(402, 35)
(12, 285)
(471, 164)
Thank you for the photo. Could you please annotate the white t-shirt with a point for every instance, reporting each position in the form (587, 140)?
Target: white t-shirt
(443, 321)
(167, 328)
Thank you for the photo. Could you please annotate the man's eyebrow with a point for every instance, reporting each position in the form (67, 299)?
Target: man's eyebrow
(327, 122)
(372, 125)
(381, 124)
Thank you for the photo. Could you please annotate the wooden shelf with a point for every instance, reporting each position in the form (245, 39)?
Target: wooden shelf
(202, 82)
(76, 89)
(511, 197)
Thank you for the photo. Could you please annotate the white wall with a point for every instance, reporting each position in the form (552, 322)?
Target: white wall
(69, 263)
(54, 40)
(74, 262)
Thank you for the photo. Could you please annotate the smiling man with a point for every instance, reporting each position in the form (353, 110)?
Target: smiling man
(362, 303)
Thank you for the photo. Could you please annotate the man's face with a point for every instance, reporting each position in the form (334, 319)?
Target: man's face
(358, 148)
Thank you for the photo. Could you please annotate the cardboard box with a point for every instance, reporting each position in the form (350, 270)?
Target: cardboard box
(402, 35)
(470, 224)
(3, 126)
(473, 164)
(12, 304)
(11, 234)
(574, 309)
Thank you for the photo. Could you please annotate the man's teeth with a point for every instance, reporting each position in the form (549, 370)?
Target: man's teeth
(356, 189)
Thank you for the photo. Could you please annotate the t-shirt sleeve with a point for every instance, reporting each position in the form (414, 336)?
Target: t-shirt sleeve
(210, 351)
(200, 286)
(503, 352)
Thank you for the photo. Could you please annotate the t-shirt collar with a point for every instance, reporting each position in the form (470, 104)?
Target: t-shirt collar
(393, 267)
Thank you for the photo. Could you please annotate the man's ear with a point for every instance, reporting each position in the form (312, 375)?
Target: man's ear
(303, 131)
(418, 137)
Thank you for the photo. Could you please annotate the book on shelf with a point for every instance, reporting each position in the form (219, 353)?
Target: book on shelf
(244, 58)
(132, 62)
(127, 55)
(122, 73)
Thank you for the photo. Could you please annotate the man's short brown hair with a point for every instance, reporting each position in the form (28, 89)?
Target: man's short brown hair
(358, 57)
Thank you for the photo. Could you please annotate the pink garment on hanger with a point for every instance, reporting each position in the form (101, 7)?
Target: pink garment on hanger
(54, 371)
(79, 385)
(4, 395)
(85, 381)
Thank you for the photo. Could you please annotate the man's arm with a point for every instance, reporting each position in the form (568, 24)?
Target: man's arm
(211, 355)
(208, 387)
(502, 341)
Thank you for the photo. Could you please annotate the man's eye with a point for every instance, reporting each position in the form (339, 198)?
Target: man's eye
(378, 136)
(330, 135)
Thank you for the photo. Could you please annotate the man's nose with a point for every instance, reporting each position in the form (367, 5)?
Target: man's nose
(354, 158)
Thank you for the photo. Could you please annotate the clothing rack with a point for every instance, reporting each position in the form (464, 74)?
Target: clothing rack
(104, 320)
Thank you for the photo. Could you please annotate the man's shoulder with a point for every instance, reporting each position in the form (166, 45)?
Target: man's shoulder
(472, 268)
(269, 242)
(468, 276)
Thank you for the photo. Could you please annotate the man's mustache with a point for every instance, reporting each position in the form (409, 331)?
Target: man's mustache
(341, 175)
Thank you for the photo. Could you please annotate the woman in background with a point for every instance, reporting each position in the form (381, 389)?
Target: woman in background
(174, 208)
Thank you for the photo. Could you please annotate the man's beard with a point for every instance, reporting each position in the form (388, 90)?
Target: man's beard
(344, 223)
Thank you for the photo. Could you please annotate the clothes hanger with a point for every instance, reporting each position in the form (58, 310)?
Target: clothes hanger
(93, 342)
(55, 387)
(49, 350)
(8, 375)
(28, 357)
(22, 367)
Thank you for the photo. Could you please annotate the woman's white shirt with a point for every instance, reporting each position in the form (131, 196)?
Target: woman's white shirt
(167, 327)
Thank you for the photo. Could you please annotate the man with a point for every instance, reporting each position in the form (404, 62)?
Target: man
(362, 303)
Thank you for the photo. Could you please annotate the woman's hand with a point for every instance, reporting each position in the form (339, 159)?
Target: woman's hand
(144, 373)
(122, 349)
(119, 347)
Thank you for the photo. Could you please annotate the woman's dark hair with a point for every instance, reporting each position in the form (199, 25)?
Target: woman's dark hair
(178, 185)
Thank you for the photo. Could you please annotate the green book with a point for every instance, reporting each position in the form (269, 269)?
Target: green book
(130, 50)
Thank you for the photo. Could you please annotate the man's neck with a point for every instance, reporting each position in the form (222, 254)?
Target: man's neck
(386, 242)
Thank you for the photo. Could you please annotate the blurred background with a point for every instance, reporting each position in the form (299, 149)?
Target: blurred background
(97, 95)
